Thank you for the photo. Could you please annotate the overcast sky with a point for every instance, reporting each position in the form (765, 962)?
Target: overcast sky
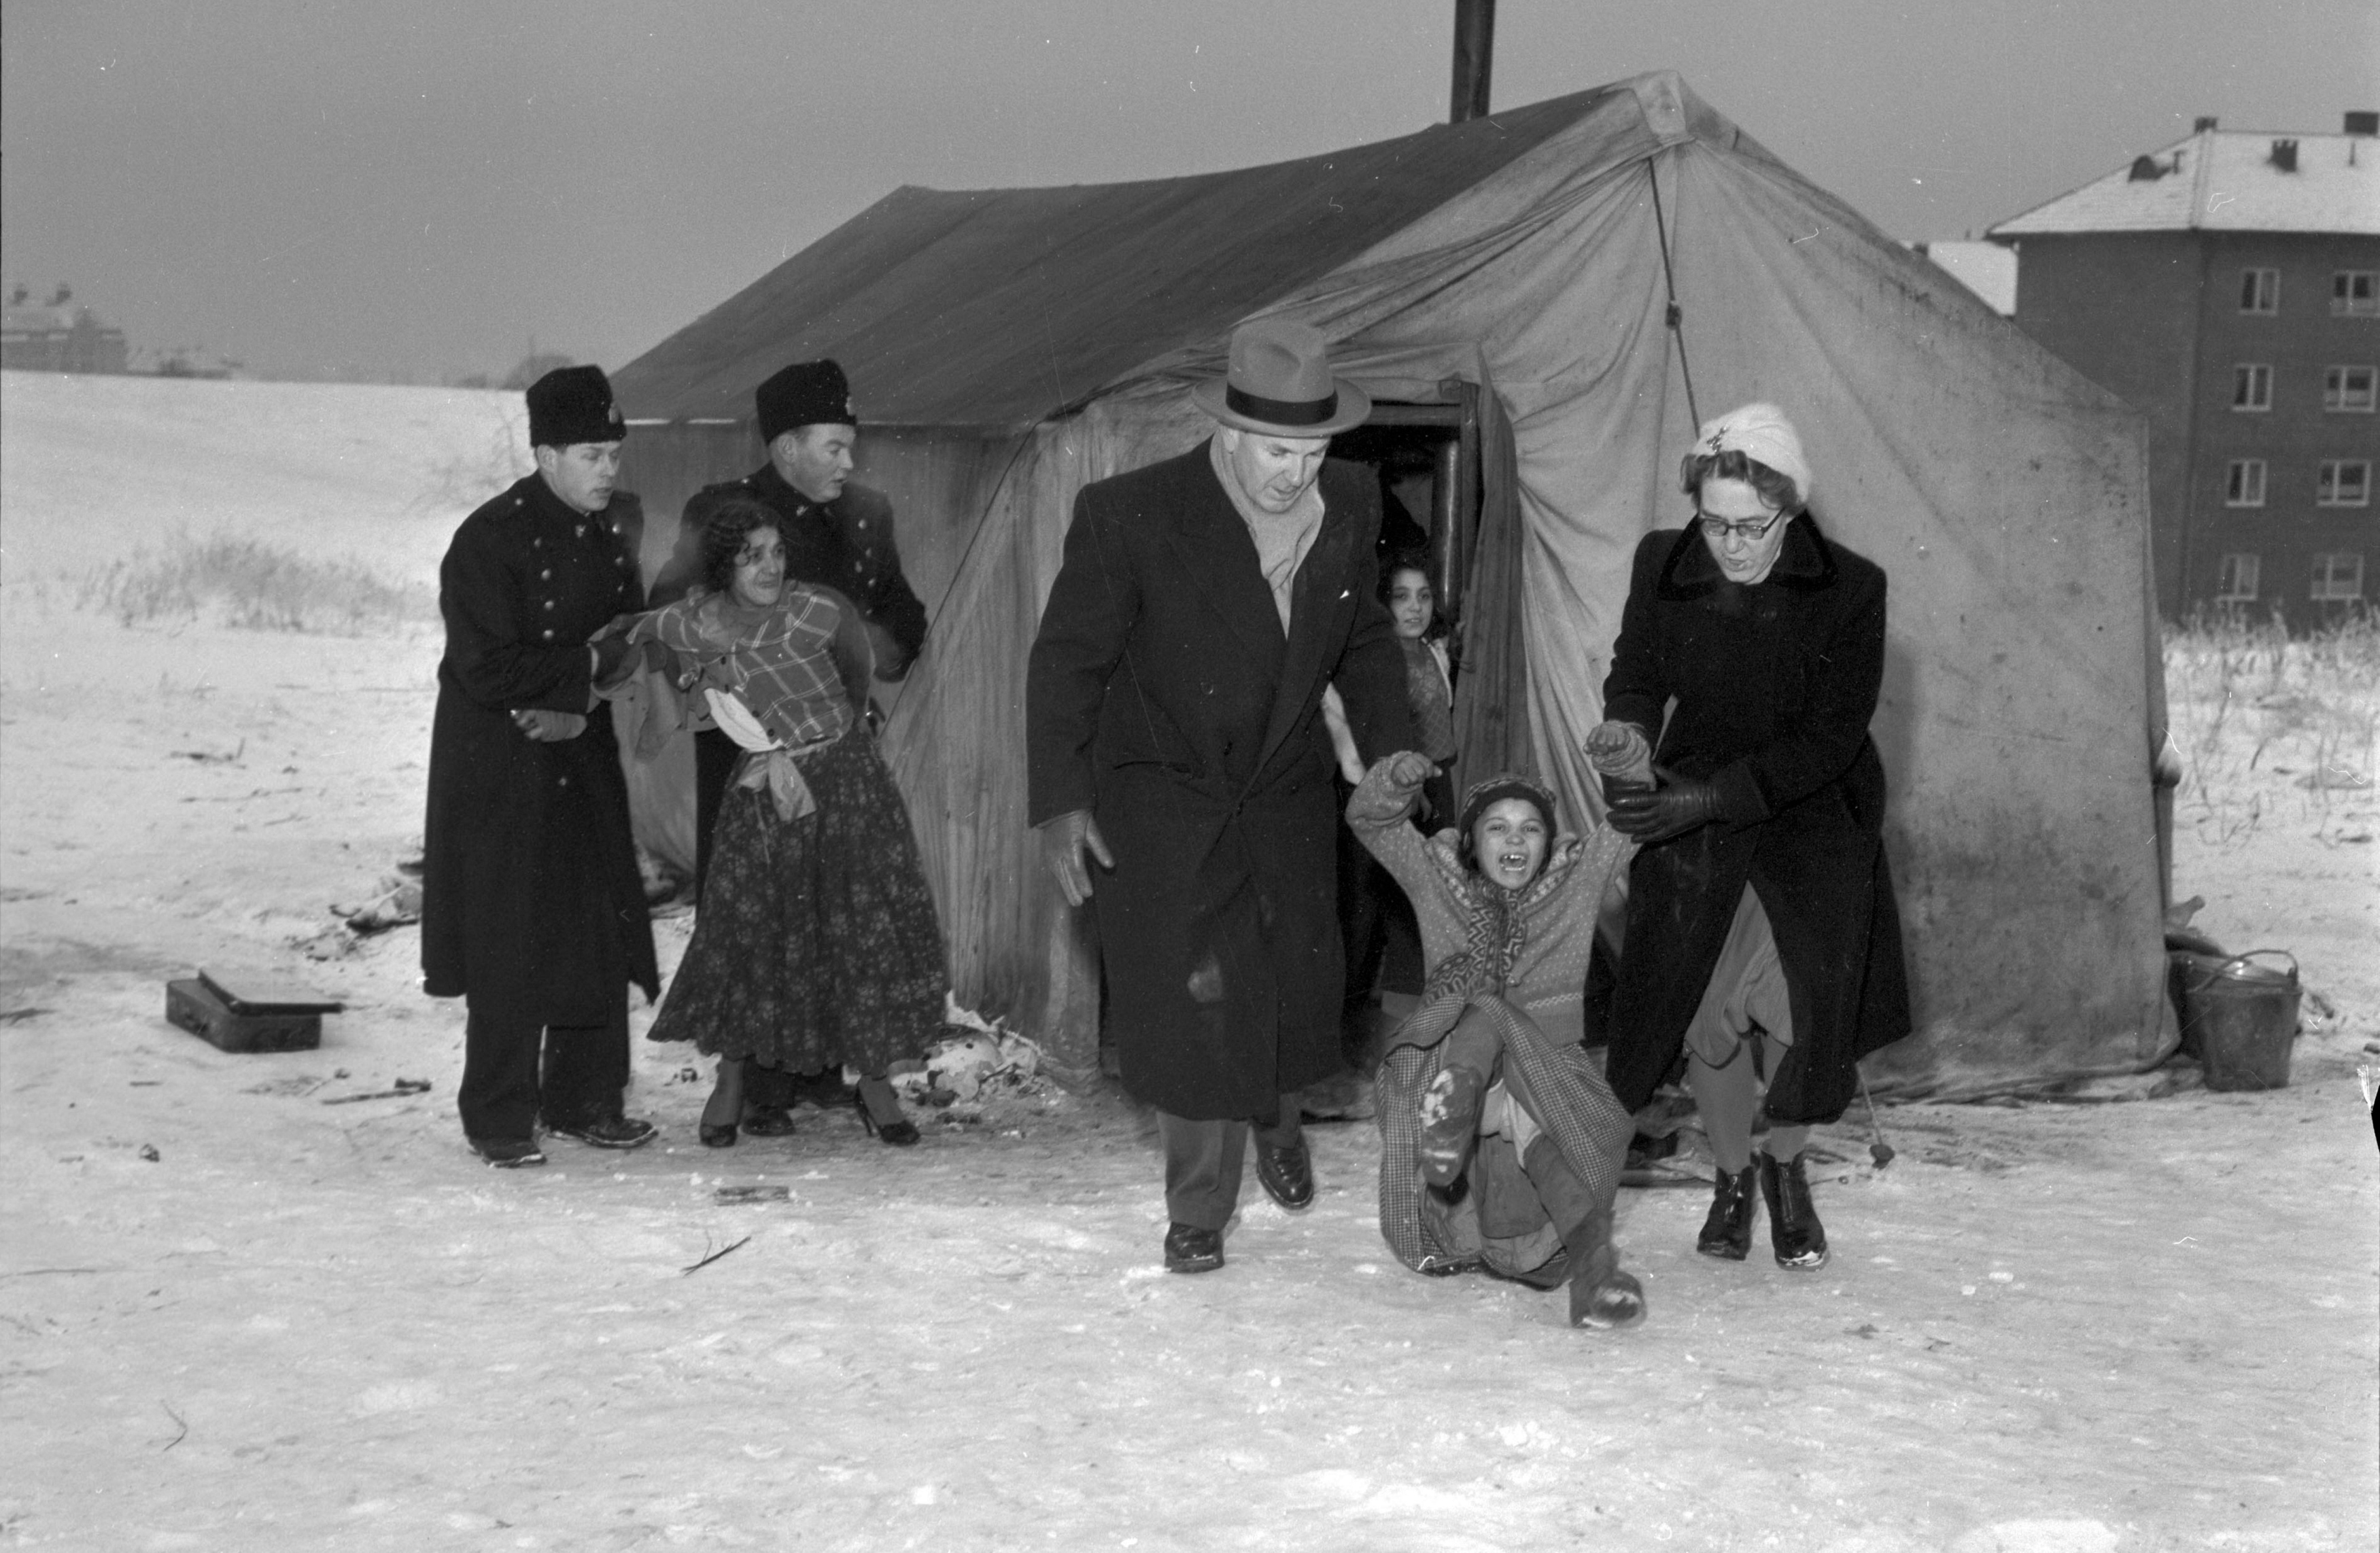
(418, 186)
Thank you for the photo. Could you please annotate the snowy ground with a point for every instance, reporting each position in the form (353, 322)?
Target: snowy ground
(304, 1325)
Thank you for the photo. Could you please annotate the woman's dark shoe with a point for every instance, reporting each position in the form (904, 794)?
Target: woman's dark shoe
(1450, 1123)
(1727, 1232)
(1799, 1240)
(892, 1127)
(716, 1136)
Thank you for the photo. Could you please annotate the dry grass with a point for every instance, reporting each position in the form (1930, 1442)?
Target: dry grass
(464, 480)
(2249, 703)
(253, 586)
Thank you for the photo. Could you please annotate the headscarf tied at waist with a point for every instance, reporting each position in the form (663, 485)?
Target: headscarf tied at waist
(766, 762)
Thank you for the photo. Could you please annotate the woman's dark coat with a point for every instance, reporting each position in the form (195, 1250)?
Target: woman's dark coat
(531, 904)
(1163, 697)
(1774, 685)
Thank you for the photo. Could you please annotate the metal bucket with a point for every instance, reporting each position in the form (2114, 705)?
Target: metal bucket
(2238, 1018)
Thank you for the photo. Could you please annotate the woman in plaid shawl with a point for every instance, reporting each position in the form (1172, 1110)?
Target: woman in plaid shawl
(1500, 1142)
(817, 944)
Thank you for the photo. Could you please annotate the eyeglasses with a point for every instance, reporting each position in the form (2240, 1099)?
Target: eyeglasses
(1719, 528)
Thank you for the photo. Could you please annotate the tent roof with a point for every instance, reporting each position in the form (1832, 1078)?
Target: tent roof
(999, 307)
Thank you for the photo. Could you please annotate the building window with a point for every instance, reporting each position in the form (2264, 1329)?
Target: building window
(2343, 482)
(2354, 294)
(2252, 387)
(2260, 291)
(2235, 583)
(2244, 484)
(2349, 388)
(2339, 575)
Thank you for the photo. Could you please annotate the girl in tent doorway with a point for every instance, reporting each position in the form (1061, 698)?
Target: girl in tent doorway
(1376, 922)
(1761, 932)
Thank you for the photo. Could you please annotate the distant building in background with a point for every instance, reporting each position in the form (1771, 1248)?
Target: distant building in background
(184, 361)
(2227, 286)
(56, 336)
(1987, 269)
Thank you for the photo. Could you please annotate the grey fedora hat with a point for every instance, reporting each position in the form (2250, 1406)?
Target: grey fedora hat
(1278, 382)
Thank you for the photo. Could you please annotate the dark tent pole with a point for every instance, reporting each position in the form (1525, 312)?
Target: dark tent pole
(1474, 49)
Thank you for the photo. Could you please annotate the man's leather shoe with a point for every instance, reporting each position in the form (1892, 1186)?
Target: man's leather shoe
(1287, 1174)
(769, 1122)
(606, 1132)
(508, 1154)
(1191, 1249)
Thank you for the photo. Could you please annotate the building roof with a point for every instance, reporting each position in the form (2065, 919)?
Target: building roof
(997, 307)
(2224, 181)
(1987, 269)
(31, 318)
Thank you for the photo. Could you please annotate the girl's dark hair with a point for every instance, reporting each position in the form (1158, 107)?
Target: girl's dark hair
(724, 533)
(1412, 561)
(1775, 489)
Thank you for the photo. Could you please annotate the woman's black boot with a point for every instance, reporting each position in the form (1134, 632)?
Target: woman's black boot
(1793, 1228)
(1727, 1232)
(880, 1112)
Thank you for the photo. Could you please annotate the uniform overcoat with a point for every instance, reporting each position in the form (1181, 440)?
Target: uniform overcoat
(530, 899)
(1163, 696)
(1775, 685)
(847, 544)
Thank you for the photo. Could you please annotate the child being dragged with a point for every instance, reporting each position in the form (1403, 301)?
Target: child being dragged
(1500, 1142)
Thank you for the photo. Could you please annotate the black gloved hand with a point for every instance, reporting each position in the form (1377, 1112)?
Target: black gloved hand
(1680, 804)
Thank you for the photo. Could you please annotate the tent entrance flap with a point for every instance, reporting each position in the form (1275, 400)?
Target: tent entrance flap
(1427, 459)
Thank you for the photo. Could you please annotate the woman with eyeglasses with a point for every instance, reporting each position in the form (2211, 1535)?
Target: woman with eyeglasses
(1763, 940)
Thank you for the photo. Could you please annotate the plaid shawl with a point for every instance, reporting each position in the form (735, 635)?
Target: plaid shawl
(782, 668)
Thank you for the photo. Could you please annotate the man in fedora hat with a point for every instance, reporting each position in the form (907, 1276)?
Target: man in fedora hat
(1174, 737)
(531, 907)
(838, 534)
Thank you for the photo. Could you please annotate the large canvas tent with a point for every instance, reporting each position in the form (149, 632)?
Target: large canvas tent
(1579, 280)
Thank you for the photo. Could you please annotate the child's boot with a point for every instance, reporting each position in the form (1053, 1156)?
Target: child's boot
(1601, 1296)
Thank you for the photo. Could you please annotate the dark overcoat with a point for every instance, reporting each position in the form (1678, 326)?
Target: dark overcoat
(847, 544)
(1163, 696)
(530, 900)
(1775, 685)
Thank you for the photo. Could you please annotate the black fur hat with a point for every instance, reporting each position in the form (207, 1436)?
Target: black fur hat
(805, 394)
(572, 405)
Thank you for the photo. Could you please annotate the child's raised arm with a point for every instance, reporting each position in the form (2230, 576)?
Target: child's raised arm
(1376, 812)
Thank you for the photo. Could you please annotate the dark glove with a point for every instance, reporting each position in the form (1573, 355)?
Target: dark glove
(1680, 804)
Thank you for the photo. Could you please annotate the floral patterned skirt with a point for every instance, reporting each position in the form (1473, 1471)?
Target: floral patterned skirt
(817, 943)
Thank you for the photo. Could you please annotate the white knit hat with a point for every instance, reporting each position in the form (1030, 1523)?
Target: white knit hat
(1761, 433)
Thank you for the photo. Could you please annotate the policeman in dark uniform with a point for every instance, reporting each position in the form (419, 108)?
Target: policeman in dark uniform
(533, 910)
(836, 535)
